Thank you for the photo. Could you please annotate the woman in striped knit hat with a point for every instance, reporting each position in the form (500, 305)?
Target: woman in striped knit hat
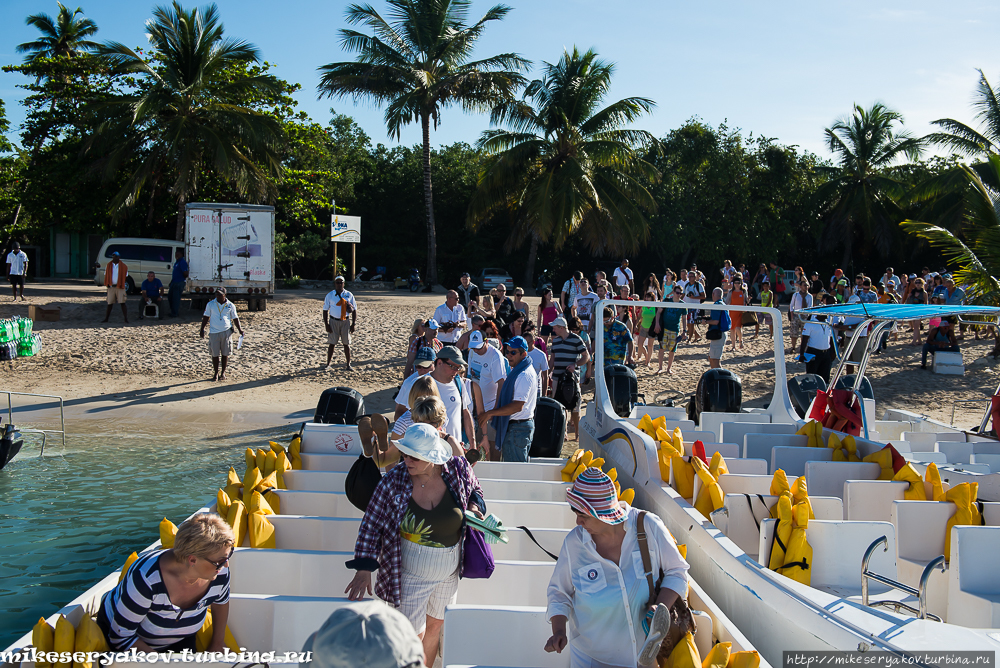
(600, 569)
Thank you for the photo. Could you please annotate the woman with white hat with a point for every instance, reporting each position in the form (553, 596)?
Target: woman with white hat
(413, 531)
(600, 585)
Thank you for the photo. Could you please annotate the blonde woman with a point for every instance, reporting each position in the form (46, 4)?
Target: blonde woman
(486, 307)
(164, 597)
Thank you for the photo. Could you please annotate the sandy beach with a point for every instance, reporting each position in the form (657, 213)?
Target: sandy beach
(161, 368)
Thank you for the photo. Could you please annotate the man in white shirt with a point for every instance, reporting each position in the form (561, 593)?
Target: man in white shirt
(583, 305)
(682, 278)
(623, 276)
(800, 300)
(817, 347)
(423, 365)
(456, 400)
(891, 282)
(487, 369)
(451, 316)
(220, 316)
(539, 360)
(694, 293)
(339, 303)
(17, 269)
(516, 404)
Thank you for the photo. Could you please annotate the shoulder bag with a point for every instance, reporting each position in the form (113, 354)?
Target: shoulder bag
(361, 482)
(477, 557)
(681, 620)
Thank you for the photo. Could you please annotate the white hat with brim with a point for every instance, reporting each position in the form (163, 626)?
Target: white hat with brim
(368, 633)
(424, 442)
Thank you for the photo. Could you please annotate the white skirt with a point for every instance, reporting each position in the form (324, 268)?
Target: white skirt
(429, 581)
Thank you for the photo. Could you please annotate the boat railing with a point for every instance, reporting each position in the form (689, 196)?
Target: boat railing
(44, 432)
(920, 592)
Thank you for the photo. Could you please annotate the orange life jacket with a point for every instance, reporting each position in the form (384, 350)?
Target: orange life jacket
(122, 272)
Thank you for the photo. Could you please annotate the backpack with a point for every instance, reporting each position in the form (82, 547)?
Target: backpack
(725, 322)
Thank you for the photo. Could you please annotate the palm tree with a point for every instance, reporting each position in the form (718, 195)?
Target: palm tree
(417, 63)
(965, 140)
(65, 36)
(568, 166)
(860, 197)
(190, 113)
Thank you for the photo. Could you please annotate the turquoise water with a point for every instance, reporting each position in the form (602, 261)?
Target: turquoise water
(69, 518)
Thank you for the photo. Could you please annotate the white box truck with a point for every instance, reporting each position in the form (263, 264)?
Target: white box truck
(230, 245)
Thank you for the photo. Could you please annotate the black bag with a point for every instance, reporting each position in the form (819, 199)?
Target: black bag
(713, 333)
(361, 482)
(567, 391)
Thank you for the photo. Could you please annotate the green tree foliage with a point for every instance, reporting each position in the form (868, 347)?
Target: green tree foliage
(417, 63)
(190, 112)
(289, 250)
(567, 165)
(62, 37)
(860, 201)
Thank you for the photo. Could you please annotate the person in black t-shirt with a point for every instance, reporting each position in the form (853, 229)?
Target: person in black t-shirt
(815, 285)
(467, 292)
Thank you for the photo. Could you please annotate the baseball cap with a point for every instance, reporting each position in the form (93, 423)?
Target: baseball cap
(220, 289)
(518, 342)
(559, 322)
(367, 633)
(425, 357)
(476, 340)
(17, 246)
(451, 354)
(465, 275)
(339, 279)
(116, 254)
(432, 323)
(912, 276)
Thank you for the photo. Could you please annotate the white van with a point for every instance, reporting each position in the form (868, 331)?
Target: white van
(141, 256)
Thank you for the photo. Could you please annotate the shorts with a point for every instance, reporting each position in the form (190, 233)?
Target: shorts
(429, 581)
(765, 318)
(544, 330)
(220, 343)
(669, 341)
(716, 347)
(653, 335)
(16, 280)
(340, 330)
(794, 326)
(116, 295)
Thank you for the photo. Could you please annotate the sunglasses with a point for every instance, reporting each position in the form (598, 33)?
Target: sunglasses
(219, 564)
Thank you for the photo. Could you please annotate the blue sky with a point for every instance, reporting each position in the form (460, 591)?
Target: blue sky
(779, 69)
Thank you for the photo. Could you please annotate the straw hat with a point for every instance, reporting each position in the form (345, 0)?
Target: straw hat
(593, 493)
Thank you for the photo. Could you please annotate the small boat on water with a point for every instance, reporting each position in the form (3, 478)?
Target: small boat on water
(910, 599)
(280, 596)
(10, 443)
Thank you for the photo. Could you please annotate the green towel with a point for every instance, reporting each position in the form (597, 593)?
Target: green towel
(492, 528)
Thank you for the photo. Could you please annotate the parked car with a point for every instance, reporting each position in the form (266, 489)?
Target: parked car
(492, 277)
(142, 256)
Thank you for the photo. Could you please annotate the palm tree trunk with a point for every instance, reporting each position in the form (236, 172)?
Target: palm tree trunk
(432, 278)
(152, 201)
(181, 201)
(529, 270)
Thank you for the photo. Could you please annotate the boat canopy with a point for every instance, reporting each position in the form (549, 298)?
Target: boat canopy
(895, 312)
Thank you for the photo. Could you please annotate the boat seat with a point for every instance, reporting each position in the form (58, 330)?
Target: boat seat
(327, 534)
(827, 478)
(838, 549)
(961, 452)
(331, 439)
(871, 500)
(692, 435)
(920, 532)
(672, 413)
(523, 490)
(745, 483)
(288, 572)
(512, 583)
(925, 440)
(892, 430)
(743, 514)
(973, 587)
(735, 432)
(266, 623)
(316, 504)
(983, 469)
(740, 465)
(728, 450)
(327, 462)
(993, 461)
(470, 637)
(792, 460)
(712, 421)
(548, 514)
(925, 457)
(521, 548)
(519, 471)
(758, 446)
(315, 481)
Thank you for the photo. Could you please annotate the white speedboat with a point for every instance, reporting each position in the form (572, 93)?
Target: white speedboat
(862, 523)
(280, 596)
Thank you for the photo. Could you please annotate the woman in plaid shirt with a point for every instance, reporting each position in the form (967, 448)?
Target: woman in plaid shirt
(413, 531)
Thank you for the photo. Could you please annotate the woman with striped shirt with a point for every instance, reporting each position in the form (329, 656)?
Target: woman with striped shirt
(163, 600)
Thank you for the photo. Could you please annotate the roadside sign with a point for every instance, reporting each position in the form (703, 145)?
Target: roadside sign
(345, 229)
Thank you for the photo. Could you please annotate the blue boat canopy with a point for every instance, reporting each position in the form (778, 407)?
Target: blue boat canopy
(901, 311)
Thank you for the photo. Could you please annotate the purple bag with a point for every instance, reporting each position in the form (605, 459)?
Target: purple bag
(477, 557)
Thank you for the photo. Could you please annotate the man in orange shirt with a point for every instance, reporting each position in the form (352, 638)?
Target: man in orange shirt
(114, 280)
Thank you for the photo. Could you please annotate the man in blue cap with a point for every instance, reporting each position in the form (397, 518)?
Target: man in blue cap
(514, 414)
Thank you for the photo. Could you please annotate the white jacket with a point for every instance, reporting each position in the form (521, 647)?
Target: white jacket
(605, 602)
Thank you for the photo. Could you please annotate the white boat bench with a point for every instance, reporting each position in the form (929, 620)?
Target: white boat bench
(712, 421)
(828, 478)
(871, 500)
(793, 460)
(973, 587)
(920, 531)
(736, 432)
(758, 446)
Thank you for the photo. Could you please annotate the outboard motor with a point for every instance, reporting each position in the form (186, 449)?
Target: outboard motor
(847, 382)
(802, 390)
(719, 391)
(623, 388)
(340, 405)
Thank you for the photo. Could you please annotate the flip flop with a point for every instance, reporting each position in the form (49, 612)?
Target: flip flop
(366, 432)
(381, 427)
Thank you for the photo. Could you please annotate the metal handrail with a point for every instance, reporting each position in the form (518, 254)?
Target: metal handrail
(43, 432)
(920, 592)
(965, 401)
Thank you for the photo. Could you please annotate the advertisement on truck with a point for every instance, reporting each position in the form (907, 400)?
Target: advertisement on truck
(231, 245)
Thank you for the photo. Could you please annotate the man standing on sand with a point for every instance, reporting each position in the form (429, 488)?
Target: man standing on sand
(336, 307)
(17, 269)
(178, 277)
(468, 293)
(451, 316)
(115, 274)
(623, 276)
(220, 316)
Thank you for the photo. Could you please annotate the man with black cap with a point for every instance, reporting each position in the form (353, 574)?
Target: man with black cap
(468, 292)
(220, 315)
(115, 274)
(17, 269)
